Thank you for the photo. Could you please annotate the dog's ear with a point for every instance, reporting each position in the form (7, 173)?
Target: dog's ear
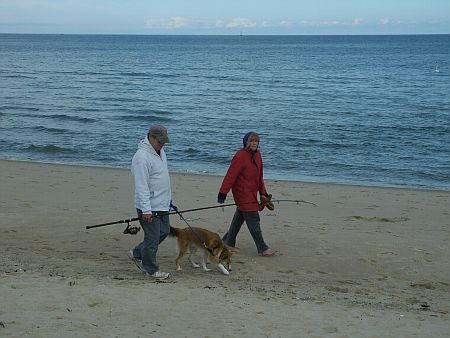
(215, 246)
(226, 254)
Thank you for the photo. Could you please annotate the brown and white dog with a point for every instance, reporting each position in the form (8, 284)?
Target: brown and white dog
(212, 247)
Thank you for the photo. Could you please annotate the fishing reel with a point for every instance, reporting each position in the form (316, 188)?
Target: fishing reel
(131, 229)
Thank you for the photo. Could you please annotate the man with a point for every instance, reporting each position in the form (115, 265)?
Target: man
(152, 199)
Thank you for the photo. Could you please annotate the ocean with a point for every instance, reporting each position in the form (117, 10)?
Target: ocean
(366, 110)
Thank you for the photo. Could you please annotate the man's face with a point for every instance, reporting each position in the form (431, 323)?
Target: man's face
(156, 144)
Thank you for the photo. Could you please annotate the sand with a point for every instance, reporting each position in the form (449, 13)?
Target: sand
(364, 262)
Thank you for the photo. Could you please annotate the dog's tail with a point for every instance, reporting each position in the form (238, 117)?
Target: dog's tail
(174, 232)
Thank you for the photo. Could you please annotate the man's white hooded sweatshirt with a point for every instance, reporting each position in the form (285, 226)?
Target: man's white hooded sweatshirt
(151, 179)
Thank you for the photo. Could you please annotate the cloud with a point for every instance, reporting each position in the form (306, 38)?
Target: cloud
(270, 24)
(219, 23)
(241, 23)
(172, 23)
(177, 22)
(385, 21)
(285, 24)
(180, 22)
(223, 25)
(320, 23)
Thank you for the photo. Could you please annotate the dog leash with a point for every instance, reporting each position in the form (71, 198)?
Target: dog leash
(192, 229)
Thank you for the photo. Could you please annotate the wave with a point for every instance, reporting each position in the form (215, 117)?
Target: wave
(82, 73)
(19, 108)
(82, 109)
(63, 117)
(152, 118)
(49, 129)
(135, 74)
(119, 99)
(413, 128)
(19, 77)
(48, 149)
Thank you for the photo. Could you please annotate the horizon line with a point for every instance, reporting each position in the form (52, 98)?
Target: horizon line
(241, 35)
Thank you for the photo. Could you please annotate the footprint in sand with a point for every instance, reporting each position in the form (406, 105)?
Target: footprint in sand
(388, 253)
(377, 219)
(424, 285)
(336, 289)
(381, 277)
(330, 329)
(288, 271)
(349, 281)
(94, 304)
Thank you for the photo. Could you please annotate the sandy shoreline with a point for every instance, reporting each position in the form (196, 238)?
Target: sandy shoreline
(366, 262)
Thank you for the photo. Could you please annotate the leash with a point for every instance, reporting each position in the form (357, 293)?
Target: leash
(192, 229)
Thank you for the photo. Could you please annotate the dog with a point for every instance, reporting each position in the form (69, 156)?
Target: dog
(212, 246)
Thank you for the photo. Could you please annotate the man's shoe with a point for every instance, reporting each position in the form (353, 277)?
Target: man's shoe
(160, 275)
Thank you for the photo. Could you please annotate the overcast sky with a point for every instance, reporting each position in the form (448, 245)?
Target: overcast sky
(225, 16)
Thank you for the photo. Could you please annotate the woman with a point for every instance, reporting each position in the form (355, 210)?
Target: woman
(245, 179)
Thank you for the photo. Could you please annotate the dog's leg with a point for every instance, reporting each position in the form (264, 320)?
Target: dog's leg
(204, 258)
(223, 269)
(182, 250)
(192, 251)
(177, 261)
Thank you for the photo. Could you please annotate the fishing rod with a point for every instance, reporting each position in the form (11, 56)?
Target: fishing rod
(191, 210)
(296, 201)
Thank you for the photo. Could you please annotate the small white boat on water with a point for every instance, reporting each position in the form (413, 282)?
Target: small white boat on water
(436, 67)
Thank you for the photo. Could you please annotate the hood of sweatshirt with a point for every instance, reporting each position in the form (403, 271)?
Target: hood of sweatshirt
(145, 145)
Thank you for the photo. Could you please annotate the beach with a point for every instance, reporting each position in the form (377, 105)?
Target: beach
(362, 262)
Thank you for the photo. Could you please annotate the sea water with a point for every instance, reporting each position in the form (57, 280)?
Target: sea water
(366, 110)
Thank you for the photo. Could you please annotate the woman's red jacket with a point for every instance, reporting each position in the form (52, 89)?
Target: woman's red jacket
(245, 179)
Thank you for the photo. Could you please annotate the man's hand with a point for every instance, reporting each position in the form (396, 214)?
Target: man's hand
(147, 217)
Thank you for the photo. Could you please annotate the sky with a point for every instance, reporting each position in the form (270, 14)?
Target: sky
(229, 17)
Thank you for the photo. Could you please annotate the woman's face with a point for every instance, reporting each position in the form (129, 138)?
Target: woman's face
(253, 143)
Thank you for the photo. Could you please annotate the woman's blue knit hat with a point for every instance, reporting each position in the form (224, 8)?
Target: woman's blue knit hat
(245, 139)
